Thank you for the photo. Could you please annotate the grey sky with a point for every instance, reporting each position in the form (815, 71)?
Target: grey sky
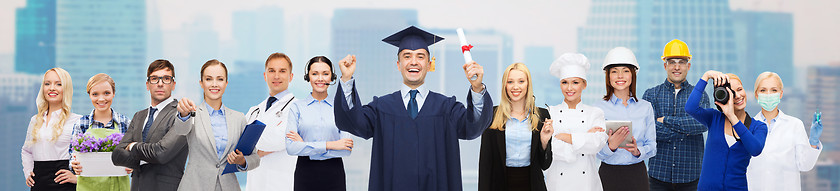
(530, 22)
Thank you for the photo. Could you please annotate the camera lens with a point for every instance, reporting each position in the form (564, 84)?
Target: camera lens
(721, 95)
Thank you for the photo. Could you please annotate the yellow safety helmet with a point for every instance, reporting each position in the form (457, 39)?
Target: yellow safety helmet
(676, 48)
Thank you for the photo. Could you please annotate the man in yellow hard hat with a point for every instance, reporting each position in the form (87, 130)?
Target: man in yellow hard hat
(679, 137)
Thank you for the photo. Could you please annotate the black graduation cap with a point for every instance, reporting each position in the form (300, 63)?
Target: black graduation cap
(412, 38)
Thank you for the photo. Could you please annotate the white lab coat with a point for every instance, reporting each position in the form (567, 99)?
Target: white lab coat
(277, 170)
(575, 166)
(786, 153)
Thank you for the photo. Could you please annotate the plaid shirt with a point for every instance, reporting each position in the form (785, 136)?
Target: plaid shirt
(679, 140)
(87, 122)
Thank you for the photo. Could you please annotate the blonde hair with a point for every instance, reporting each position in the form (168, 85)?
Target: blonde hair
(503, 111)
(99, 78)
(734, 77)
(764, 75)
(43, 106)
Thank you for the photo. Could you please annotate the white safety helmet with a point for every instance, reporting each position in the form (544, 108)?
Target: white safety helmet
(620, 55)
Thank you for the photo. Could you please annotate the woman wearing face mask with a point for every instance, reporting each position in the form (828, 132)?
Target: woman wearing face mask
(623, 167)
(45, 153)
(733, 139)
(579, 135)
(212, 134)
(313, 136)
(790, 150)
(515, 148)
(102, 121)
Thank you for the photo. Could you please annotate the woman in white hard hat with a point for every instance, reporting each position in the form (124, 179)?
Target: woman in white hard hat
(579, 135)
(791, 151)
(622, 165)
(733, 138)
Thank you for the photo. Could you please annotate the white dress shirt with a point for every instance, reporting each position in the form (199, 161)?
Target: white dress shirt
(44, 149)
(786, 153)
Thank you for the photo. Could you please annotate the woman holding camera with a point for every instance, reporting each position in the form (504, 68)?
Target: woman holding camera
(791, 150)
(734, 137)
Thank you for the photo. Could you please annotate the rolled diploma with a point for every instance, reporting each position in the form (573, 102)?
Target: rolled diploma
(467, 55)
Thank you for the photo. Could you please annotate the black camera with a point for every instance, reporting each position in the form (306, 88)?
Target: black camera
(721, 94)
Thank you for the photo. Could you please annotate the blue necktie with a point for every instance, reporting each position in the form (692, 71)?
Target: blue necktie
(148, 125)
(271, 101)
(412, 104)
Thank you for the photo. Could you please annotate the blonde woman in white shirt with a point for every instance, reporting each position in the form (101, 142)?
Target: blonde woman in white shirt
(787, 150)
(579, 133)
(45, 153)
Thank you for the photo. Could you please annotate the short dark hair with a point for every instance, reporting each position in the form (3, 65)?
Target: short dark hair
(160, 64)
(277, 55)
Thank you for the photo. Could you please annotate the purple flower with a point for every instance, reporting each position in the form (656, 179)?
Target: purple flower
(84, 143)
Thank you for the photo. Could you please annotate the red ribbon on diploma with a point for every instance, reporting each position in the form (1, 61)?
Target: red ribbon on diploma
(466, 48)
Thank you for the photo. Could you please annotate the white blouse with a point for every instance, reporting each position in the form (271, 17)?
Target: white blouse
(44, 149)
(575, 166)
(786, 153)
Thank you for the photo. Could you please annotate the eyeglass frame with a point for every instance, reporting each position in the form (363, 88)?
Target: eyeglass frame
(159, 79)
(669, 63)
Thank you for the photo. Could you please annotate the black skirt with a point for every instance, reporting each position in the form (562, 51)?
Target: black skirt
(326, 175)
(518, 178)
(45, 176)
(624, 177)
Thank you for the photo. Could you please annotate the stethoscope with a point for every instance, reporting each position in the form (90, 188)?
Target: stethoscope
(256, 112)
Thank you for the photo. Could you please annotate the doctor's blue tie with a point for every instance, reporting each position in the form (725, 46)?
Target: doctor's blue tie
(412, 104)
(148, 125)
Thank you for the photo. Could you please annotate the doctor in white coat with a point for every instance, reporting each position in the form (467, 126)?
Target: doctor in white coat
(579, 133)
(277, 169)
(788, 149)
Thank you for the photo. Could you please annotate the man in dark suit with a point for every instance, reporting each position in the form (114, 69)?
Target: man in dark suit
(151, 146)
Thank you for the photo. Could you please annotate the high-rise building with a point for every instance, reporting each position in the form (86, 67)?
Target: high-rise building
(546, 86)
(765, 43)
(360, 32)
(17, 103)
(258, 33)
(825, 176)
(492, 50)
(104, 37)
(645, 26)
(35, 36)
(824, 95)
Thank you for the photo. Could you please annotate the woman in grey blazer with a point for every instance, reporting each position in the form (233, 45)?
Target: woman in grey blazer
(212, 135)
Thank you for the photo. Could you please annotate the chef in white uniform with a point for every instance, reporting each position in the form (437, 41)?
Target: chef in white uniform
(579, 130)
(277, 169)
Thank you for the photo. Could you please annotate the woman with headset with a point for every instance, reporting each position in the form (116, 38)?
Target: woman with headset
(313, 136)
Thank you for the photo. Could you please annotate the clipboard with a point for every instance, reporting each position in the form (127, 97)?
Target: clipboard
(614, 125)
(247, 142)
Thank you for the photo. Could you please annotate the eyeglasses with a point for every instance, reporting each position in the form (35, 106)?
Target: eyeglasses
(156, 79)
(677, 61)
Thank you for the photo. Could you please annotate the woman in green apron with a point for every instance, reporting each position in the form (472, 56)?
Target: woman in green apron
(102, 122)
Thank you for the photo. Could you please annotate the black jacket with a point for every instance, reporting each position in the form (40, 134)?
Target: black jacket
(491, 161)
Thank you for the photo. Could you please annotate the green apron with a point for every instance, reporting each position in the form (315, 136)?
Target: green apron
(114, 183)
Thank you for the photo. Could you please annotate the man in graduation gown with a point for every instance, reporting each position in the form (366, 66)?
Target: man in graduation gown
(415, 131)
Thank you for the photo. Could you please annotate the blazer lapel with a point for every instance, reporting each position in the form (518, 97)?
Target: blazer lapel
(500, 137)
(204, 117)
(232, 131)
(165, 112)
